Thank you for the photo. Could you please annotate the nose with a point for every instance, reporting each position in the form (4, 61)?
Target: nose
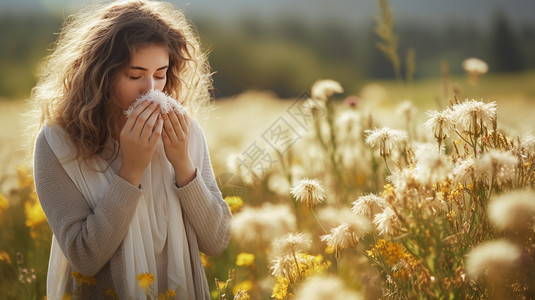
(148, 85)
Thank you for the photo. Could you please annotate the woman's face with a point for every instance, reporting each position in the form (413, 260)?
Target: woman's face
(146, 70)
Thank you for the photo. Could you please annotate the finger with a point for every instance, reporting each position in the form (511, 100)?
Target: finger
(183, 123)
(131, 121)
(168, 127)
(143, 118)
(176, 124)
(149, 126)
(157, 132)
(165, 136)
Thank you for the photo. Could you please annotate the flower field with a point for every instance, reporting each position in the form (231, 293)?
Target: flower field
(338, 197)
(406, 189)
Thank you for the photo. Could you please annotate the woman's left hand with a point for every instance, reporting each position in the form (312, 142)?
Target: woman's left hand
(175, 138)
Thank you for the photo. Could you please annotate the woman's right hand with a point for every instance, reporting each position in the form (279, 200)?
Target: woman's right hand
(138, 140)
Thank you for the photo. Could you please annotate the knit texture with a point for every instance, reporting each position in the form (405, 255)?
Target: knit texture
(92, 240)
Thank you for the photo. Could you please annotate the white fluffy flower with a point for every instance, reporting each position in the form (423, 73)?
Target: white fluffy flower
(474, 65)
(386, 138)
(468, 112)
(406, 109)
(364, 204)
(386, 221)
(323, 287)
(501, 165)
(343, 236)
(440, 122)
(348, 125)
(325, 88)
(513, 210)
(491, 257)
(529, 144)
(463, 170)
(331, 216)
(166, 102)
(292, 243)
(261, 224)
(309, 191)
(431, 166)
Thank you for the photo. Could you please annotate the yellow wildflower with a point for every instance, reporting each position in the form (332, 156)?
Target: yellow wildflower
(25, 179)
(246, 285)
(34, 213)
(81, 279)
(245, 259)
(170, 293)
(4, 204)
(66, 297)
(280, 290)
(5, 257)
(111, 293)
(145, 280)
(242, 295)
(234, 203)
(205, 260)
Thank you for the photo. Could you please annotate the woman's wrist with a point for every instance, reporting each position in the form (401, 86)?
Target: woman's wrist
(184, 173)
(133, 178)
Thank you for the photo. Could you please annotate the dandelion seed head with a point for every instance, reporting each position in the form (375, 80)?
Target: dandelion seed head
(386, 138)
(323, 89)
(406, 109)
(513, 210)
(283, 266)
(431, 165)
(491, 257)
(325, 287)
(348, 234)
(441, 123)
(348, 125)
(291, 243)
(278, 184)
(309, 191)
(463, 170)
(529, 144)
(386, 221)
(467, 111)
(166, 102)
(331, 216)
(497, 163)
(474, 65)
(364, 204)
(253, 225)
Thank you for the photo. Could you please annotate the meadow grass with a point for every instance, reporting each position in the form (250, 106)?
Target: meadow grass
(388, 263)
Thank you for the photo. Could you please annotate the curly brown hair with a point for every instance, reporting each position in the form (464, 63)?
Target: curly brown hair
(76, 82)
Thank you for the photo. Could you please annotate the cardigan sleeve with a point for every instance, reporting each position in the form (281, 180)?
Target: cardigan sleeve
(87, 238)
(202, 203)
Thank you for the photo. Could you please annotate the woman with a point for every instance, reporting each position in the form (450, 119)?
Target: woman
(133, 197)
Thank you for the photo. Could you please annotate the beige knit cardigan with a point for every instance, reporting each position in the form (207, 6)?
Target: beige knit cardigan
(92, 240)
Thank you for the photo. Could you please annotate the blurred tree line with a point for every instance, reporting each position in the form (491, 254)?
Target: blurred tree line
(287, 55)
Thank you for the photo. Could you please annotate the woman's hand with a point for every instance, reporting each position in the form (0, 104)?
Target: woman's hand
(138, 140)
(175, 138)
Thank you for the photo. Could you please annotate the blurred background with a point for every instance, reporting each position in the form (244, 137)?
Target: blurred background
(284, 46)
(265, 54)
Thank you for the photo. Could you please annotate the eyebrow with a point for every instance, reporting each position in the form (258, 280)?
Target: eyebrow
(144, 69)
